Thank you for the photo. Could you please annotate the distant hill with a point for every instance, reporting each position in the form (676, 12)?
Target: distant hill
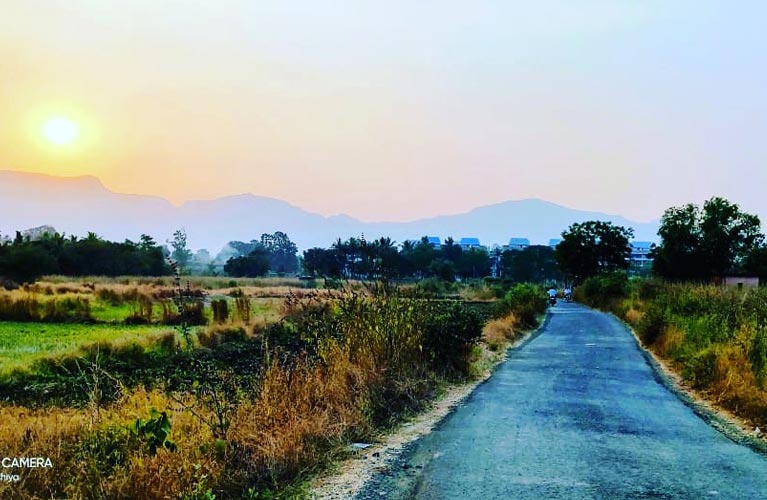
(76, 205)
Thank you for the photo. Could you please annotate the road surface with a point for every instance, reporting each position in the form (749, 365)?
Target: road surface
(577, 412)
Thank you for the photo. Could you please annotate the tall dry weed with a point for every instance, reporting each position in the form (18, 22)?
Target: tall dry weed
(498, 333)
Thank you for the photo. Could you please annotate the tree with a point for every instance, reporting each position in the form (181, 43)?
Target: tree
(593, 247)
(473, 263)
(534, 264)
(756, 263)
(323, 262)
(146, 242)
(180, 253)
(451, 251)
(253, 265)
(27, 262)
(281, 252)
(443, 269)
(729, 235)
(386, 258)
(350, 251)
(697, 245)
(421, 258)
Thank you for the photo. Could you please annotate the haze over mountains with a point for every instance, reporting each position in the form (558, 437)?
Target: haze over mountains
(76, 205)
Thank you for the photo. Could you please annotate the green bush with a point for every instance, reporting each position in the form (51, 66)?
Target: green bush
(605, 289)
(701, 369)
(154, 432)
(758, 354)
(449, 337)
(653, 324)
(525, 301)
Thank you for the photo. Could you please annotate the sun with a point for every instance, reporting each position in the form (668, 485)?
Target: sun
(60, 130)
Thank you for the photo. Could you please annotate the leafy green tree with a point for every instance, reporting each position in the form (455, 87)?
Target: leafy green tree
(180, 252)
(474, 263)
(443, 269)
(422, 256)
(406, 265)
(253, 265)
(26, 262)
(323, 262)
(593, 247)
(386, 259)
(281, 252)
(729, 235)
(756, 263)
(678, 257)
(534, 264)
(697, 245)
(451, 251)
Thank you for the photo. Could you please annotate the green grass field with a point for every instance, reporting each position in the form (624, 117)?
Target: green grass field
(23, 343)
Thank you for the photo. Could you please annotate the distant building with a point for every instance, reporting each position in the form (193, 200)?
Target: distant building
(553, 242)
(741, 281)
(640, 253)
(469, 243)
(434, 241)
(518, 243)
(38, 233)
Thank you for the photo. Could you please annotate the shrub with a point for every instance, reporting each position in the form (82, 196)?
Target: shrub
(757, 354)
(21, 309)
(67, 309)
(525, 301)
(154, 432)
(653, 324)
(701, 370)
(450, 334)
(605, 289)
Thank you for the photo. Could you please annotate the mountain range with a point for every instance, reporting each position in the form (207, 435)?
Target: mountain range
(77, 205)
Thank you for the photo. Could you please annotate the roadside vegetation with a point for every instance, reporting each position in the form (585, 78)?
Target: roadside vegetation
(713, 336)
(247, 404)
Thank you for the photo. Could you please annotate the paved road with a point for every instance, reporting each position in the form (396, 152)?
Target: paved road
(575, 413)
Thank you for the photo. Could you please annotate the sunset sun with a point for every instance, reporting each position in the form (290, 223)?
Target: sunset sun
(60, 131)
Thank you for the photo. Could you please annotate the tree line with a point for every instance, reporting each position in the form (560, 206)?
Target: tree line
(356, 258)
(696, 244)
(25, 260)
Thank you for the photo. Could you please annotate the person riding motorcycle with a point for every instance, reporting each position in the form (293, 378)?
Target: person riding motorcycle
(568, 294)
(552, 296)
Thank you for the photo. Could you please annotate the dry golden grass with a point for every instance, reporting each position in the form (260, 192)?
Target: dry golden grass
(301, 413)
(73, 439)
(668, 341)
(498, 332)
(634, 316)
(737, 389)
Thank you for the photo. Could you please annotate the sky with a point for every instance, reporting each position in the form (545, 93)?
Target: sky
(394, 110)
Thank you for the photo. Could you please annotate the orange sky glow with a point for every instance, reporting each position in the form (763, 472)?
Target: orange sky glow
(393, 110)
